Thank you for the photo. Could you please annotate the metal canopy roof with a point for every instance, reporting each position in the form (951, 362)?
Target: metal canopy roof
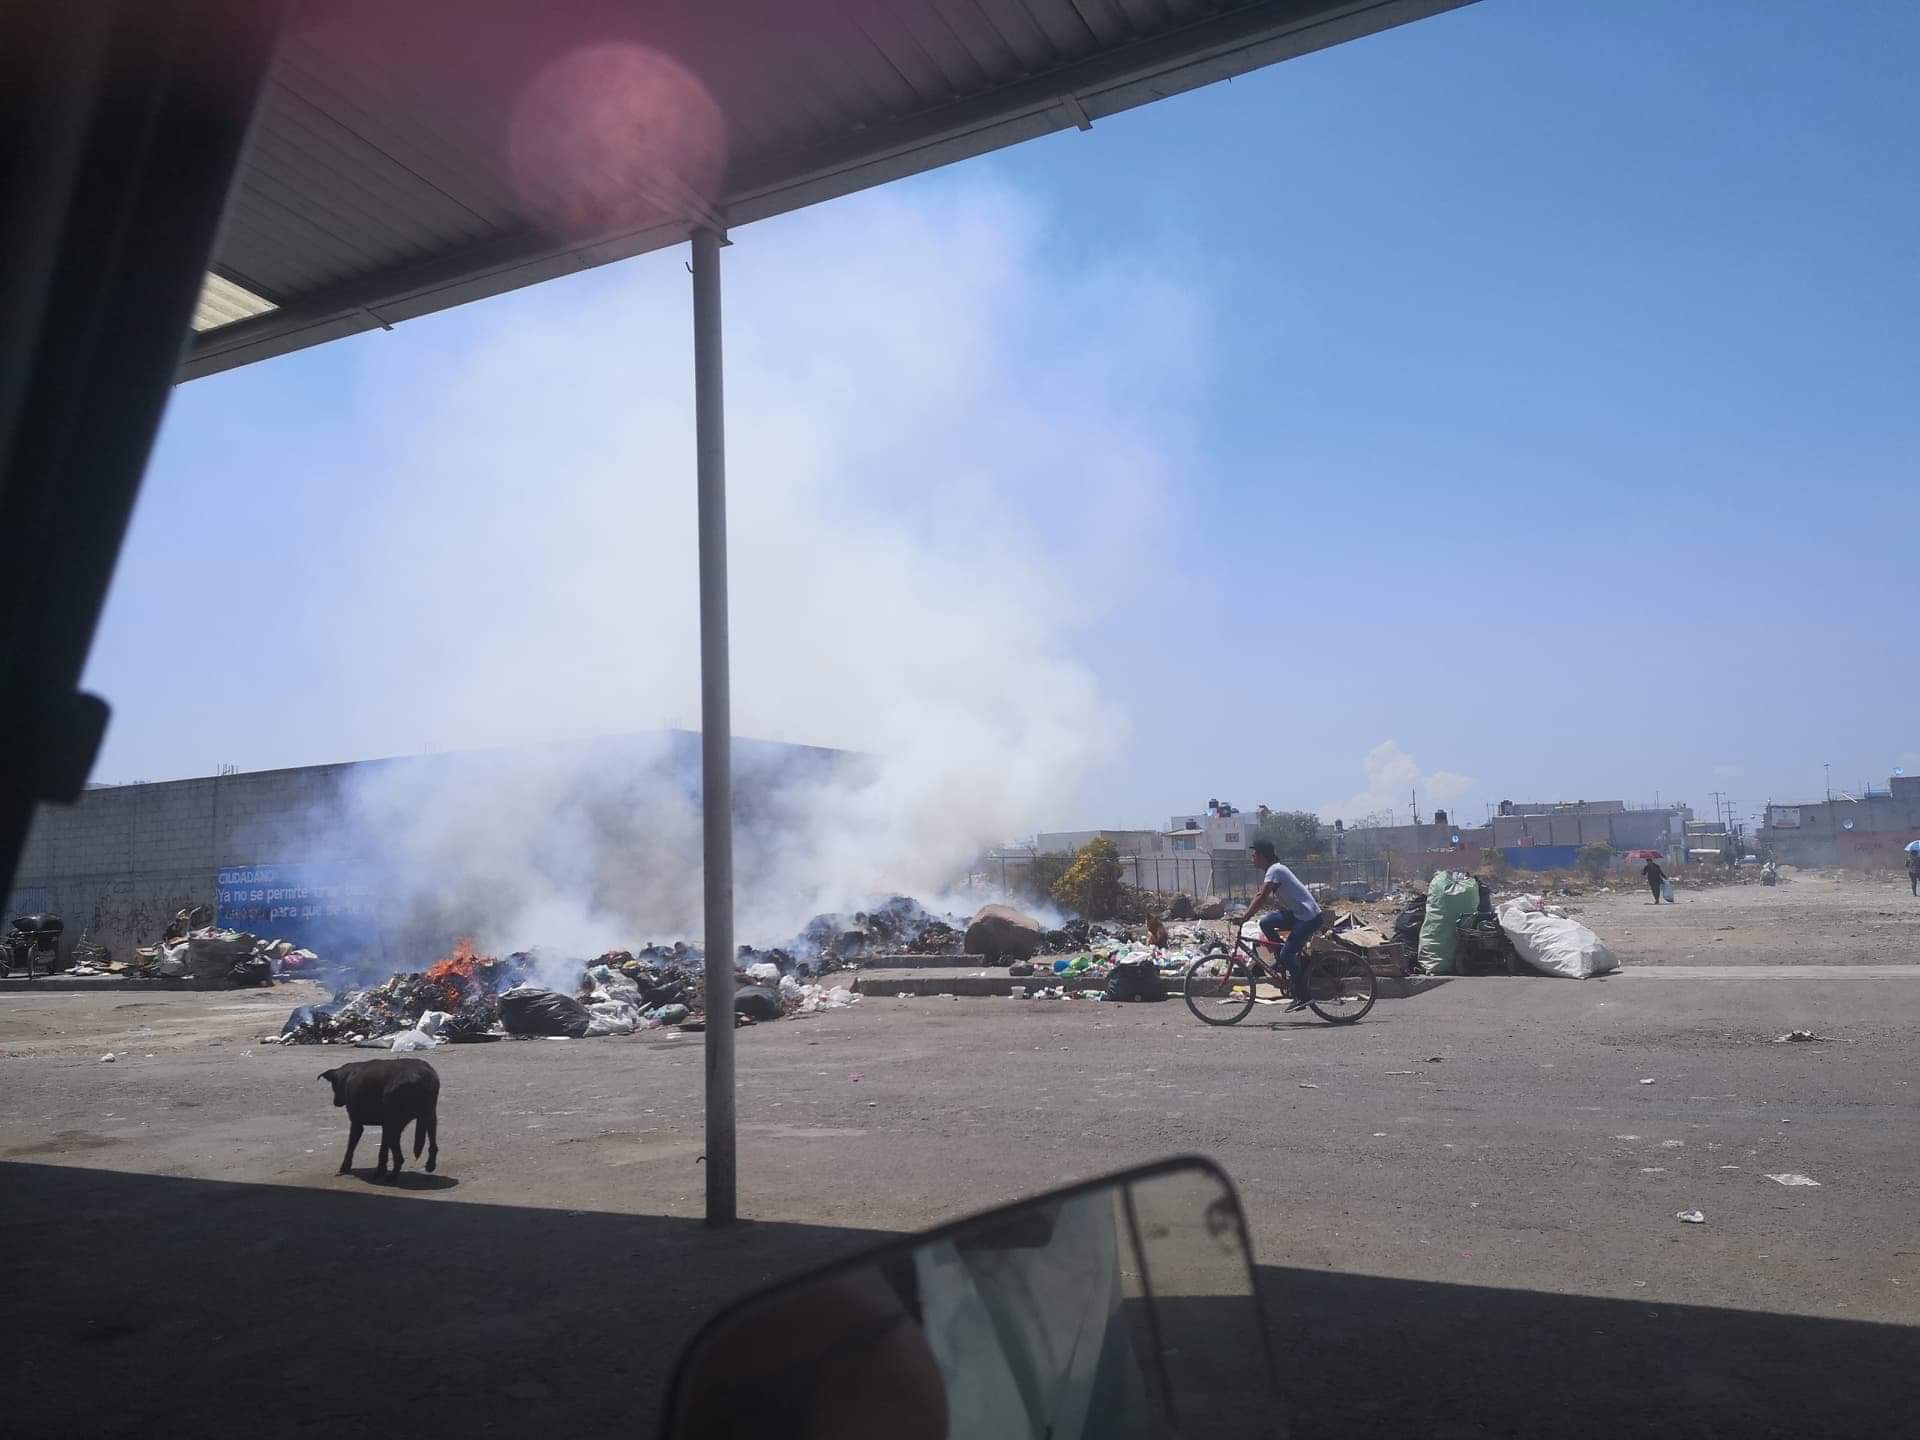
(411, 157)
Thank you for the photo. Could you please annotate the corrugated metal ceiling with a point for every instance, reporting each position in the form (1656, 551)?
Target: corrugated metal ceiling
(415, 156)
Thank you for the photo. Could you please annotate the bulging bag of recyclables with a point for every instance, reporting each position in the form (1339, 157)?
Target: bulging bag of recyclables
(1554, 944)
(1452, 895)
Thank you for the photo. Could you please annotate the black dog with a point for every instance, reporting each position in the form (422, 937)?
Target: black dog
(390, 1094)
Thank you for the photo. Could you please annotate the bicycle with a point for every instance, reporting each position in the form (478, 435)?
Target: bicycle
(1222, 986)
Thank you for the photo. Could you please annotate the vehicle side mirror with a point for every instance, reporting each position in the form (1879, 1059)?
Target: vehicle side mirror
(1124, 1307)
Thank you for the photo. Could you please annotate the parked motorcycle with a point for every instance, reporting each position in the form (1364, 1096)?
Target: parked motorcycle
(1124, 1307)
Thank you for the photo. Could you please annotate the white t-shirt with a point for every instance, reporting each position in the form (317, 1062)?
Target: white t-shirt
(1291, 894)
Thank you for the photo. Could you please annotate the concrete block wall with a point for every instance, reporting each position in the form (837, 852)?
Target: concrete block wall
(121, 861)
(118, 863)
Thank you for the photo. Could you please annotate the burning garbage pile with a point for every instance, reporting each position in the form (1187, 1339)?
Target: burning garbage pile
(466, 996)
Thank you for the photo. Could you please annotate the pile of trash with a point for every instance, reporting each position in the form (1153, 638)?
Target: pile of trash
(193, 948)
(901, 926)
(467, 997)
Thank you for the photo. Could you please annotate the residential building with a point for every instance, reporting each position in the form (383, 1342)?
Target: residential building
(1868, 830)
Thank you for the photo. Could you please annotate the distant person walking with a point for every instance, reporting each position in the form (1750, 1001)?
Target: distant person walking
(1913, 867)
(1656, 879)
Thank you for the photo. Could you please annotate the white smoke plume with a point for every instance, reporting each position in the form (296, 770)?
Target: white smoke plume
(935, 434)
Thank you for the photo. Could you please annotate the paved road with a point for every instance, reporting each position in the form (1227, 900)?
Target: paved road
(1464, 1207)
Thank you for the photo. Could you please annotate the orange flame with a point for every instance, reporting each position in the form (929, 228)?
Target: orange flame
(460, 961)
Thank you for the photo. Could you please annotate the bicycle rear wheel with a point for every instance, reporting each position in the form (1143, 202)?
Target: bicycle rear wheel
(1340, 986)
(1219, 988)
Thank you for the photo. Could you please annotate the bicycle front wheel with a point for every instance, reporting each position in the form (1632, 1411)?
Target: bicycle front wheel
(1219, 988)
(1341, 987)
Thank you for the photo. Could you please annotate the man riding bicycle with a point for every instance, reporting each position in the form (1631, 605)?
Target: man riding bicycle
(1297, 916)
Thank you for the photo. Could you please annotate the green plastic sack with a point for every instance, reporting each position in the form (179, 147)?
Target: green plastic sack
(1451, 897)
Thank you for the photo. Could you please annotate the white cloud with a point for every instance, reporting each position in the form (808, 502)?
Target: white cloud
(1392, 777)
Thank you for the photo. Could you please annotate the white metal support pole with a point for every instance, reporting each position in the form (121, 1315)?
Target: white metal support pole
(716, 724)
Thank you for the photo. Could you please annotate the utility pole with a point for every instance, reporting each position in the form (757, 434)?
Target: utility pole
(1829, 769)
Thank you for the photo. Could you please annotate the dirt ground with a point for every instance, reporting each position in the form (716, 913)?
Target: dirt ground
(1811, 917)
(1463, 1208)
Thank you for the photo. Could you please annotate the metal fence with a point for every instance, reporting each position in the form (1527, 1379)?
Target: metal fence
(1237, 882)
(1202, 875)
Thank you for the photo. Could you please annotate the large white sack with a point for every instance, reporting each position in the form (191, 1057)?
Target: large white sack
(1554, 944)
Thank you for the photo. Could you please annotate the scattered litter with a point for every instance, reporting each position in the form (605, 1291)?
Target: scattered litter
(1304, 1085)
(1673, 1144)
(1792, 1179)
(1435, 1059)
(1399, 1072)
(1798, 1037)
(1691, 1217)
(1653, 1169)
(1379, 1134)
(1786, 1122)
(857, 1076)
(1626, 1137)
(1647, 1081)
(1729, 1167)
(108, 1058)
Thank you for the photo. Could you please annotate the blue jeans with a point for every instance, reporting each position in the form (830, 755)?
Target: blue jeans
(1298, 932)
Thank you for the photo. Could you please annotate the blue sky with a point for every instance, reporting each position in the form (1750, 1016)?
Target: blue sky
(1524, 398)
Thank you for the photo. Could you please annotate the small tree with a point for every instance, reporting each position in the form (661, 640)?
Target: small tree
(1091, 883)
(1595, 858)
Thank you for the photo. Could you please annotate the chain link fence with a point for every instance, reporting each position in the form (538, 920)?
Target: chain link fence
(1233, 880)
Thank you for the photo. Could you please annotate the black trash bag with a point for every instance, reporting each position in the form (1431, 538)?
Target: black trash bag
(658, 990)
(252, 970)
(1020, 967)
(531, 1010)
(1406, 925)
(1135, 980)
(305, 1023)
(756, 1003)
